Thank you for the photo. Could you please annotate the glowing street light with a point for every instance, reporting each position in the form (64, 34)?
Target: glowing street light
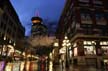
(66, 44)
(56, 44)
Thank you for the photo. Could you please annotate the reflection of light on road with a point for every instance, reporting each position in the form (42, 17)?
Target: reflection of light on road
(21, 66)
(27, 65)
(50, 66)
(2, 63)
(8, 67)
(34, 66)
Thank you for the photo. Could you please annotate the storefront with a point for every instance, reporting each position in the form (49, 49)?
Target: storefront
(104, 47)
(90, 52)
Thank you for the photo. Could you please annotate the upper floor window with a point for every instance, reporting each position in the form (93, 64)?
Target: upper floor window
(99, 2)
(86, 18)
(86, 1)
(100, 19)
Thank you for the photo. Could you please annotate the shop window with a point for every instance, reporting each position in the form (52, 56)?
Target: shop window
(104, 46)
(75, 51)
(89, 43)
(104, 43)
(89, 47)
(89, 50)
(105, 50)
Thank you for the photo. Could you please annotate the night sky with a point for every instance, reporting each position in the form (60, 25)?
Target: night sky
(48, 10)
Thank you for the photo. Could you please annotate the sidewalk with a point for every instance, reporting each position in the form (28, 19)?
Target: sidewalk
(76, 68)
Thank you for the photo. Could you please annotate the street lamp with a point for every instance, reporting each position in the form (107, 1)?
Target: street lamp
(66, 45)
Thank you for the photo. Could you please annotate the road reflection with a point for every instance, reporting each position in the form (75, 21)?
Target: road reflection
(50, 66)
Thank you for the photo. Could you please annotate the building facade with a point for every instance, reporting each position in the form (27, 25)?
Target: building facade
(11, 30)
(85, 22)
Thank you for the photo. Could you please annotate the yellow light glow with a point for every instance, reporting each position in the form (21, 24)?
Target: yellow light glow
(75, 51)
(66, 37)
(68, 44)
(36, 21)
(27, 65)
(67, 41)
(64, 44)
(56, 44)
(4, 38)
(29, 55)
(50, 66)
(64, 41)
(21, 66)
(62, 50)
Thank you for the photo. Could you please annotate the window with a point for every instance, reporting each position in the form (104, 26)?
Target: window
(104, 43)
(100, 19)
(75, 51)
(86, 18)
(89, 47)
(104, 46)
(105, 50)
(86, 1)
(97, 2)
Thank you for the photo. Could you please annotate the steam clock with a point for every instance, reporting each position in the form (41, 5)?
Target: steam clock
(38, 29)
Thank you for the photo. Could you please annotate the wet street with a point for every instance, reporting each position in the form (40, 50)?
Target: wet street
(77, 68)
(61, 67)
(44, 66)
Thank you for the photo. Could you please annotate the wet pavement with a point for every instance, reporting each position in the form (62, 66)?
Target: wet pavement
(38, 66)
(77, 68)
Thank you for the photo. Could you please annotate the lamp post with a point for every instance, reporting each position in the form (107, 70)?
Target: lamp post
(66, 45)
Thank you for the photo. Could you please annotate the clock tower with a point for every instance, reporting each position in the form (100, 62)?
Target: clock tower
(38, 28)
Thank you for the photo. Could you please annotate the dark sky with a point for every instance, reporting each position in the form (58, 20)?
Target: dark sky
(49, 10)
